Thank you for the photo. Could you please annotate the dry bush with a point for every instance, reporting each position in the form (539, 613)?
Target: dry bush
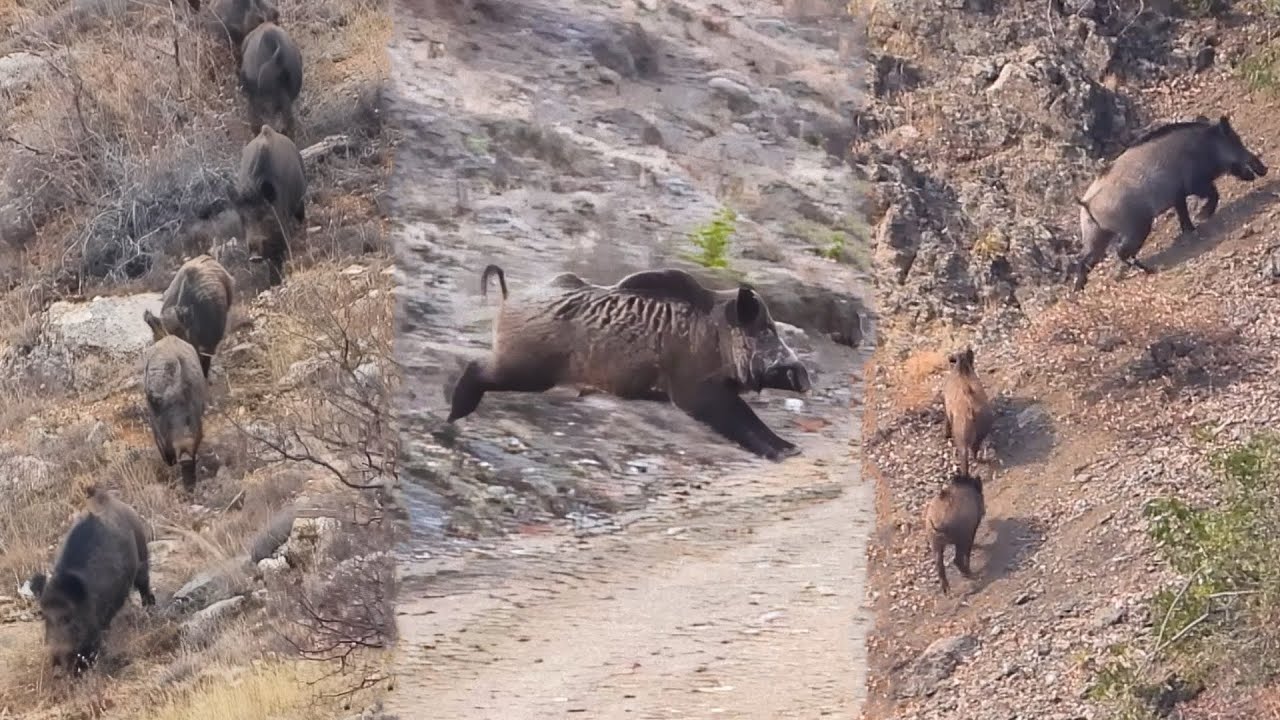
(340, 614)
(915, 380)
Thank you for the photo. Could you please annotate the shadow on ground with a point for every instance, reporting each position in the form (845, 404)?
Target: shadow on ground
(1215, 231)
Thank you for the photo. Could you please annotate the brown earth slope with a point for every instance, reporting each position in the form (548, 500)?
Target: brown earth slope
(1105, 399)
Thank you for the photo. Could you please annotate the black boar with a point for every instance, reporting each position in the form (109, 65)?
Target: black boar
(176, 395)
(235, 19)
(652, 334)
(271, 76)
(1159, 171)
(968, 415)
(103, 555)
(952, 518)
(195, 307)
(271, 192)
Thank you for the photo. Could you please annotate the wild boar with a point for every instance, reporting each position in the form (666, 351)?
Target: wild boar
(102, 557)
(271, 76)
(176, 395)
(1159, 171)
(271, 192)
(195, 307)
(235, 19)
(952, 518)
(657, 333)
(968, 416)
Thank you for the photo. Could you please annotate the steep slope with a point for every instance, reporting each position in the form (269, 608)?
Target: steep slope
(1107, 399)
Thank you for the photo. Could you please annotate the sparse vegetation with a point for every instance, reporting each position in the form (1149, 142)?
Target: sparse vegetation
(116, 152)
(1259, 70)
(713, 239)
(1220, 617)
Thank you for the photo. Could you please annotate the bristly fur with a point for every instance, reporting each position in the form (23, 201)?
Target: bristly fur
(1166, 129)
(966, 480)
(652, 332)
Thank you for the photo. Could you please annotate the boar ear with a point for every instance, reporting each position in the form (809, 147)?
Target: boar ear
(968, 355)
(36, 584)
(744, 309)
(1225, 123)
(71, 588)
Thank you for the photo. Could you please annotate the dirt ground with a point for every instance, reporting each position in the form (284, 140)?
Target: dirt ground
(656, 572)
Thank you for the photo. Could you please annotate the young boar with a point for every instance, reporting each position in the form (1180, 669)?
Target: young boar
(1156, 173)
(195, 307)
(235, 19)
(103, 555)
(968, 416)
(952, 518)
(652, 333)
(271, 76)
(175, 392)
(271, 192)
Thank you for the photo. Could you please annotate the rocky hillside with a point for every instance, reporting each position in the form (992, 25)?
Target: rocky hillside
(120, 133)
(1115, 406)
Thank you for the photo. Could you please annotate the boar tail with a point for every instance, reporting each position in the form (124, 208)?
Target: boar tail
(484, 280)
(1088, 211)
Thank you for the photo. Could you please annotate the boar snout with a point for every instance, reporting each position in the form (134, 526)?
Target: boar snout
(790, 376)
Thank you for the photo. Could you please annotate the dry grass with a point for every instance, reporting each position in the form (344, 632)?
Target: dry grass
(127, 149)
(916, 380)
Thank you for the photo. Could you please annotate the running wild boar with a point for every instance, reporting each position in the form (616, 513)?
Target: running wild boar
(175, 392)
(271, 76)
(195, 307)
(235, 19)
(968, 415)
(952, 518)
(654, 334)
(102, 557)
(271, 192)
(1159, 171)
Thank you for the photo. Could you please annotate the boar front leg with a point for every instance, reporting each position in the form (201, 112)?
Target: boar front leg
(1209, 194)
(1184, 215)
(720, 407)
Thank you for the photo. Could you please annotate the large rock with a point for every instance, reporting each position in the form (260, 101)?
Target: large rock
(936, 664)
(112, 325)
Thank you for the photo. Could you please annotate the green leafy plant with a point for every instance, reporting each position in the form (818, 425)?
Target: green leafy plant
(713, 238)
(1259, 70)
(1222, 613)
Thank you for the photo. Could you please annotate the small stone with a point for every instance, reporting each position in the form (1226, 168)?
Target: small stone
(794, 405)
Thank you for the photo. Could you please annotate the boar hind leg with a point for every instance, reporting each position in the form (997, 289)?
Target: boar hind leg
(206, 360)
(1098, 240)
(964, 550)
(142, 581)
(481, 377)
(1133, 241)
(937, 546)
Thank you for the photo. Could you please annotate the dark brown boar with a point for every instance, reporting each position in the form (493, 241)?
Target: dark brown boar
(1159, 171)
(176, 394)
(195, 307)
(952, 518)
(968, 415)
(654, 334)
(271, 76)
(235, 19)
(271, 191)
(102, 557)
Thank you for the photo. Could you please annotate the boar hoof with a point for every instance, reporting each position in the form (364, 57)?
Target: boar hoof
(148, 600)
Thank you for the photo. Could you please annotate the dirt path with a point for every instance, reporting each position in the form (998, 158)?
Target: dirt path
(656, 571)
(746, 611)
